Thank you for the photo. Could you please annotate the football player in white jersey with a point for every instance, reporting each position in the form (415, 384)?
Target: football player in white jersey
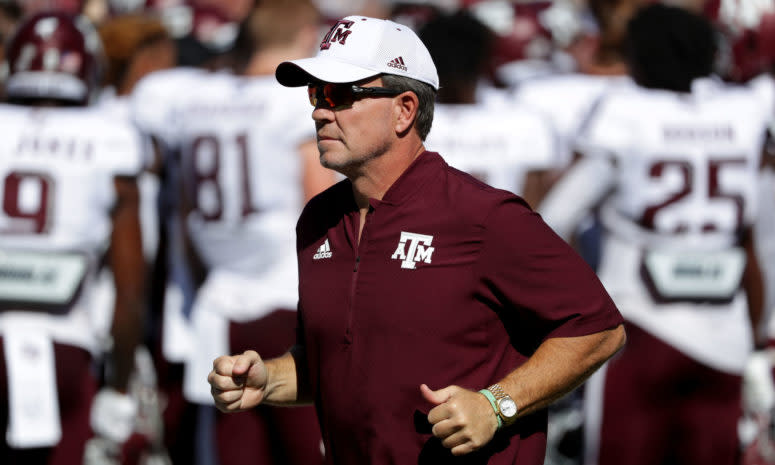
(502, 146)
(246, 163)
(135, 45)
(674, 159)
(70, 203)
(749, 31)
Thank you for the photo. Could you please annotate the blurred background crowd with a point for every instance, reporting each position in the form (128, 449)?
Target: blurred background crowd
(152, 172)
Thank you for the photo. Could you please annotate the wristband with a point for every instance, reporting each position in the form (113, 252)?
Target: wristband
(491, 398)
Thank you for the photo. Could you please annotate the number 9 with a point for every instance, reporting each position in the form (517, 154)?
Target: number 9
(26, 197)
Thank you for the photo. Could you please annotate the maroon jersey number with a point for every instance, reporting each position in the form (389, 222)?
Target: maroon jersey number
(657, 170)
(205, 164)
(27, 201)
(688, 186)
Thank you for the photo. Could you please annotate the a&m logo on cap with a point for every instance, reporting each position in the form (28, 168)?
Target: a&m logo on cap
(338, 33)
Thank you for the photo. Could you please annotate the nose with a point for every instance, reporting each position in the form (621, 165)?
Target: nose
(321, 114)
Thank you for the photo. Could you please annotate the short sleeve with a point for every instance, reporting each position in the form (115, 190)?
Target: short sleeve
(156, 101)
(121, 149)
(543, 286)
(607, 130)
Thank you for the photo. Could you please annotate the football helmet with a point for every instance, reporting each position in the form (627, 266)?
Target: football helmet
(748, 37)
(54, 55)
(205, 24)
(531, 36)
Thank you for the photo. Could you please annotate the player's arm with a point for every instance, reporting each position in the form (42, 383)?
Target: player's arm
(579, 190)
(128, 265)
(242, 382)
(753, 284)
(315, 178)
(758, 394)
(196, 265)
(537, 185)
(753, 277)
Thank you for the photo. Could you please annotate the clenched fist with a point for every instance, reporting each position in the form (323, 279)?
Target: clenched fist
(238, 382)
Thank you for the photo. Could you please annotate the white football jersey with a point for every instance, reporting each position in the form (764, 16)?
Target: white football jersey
(567, 100)
(494, 143)
(241, 171)
(57, 170)
(684, 187)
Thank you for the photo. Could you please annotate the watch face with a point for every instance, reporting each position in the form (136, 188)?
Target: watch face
(507, 407)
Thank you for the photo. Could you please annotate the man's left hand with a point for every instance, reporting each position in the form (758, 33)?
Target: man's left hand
(463, 420)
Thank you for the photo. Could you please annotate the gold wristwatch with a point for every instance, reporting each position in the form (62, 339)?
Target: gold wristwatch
(507, 408)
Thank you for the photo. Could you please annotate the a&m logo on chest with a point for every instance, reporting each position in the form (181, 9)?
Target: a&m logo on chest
(413, 248)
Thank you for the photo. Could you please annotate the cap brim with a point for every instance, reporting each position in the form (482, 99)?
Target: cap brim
(298, 73)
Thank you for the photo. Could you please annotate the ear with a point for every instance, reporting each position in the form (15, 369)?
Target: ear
(405, 112)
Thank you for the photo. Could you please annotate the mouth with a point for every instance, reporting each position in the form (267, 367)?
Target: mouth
(322, 138)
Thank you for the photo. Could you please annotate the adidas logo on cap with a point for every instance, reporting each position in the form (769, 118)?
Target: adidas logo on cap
(397, 63)
(324, 251)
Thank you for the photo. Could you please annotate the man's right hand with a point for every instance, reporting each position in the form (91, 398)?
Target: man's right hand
(238, 382)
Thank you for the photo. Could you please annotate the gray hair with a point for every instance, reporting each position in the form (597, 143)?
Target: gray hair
(425, 93)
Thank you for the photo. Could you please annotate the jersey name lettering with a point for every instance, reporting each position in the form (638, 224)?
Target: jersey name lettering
(720, 133)
(73, 149)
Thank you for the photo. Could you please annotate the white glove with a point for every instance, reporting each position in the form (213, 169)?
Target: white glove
(113, 415)
(758, 385)
(101, 451)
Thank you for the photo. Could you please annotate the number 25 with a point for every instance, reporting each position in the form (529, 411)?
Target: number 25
(686, 170)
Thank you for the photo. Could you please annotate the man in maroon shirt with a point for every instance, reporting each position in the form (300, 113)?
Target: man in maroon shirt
(438, 316)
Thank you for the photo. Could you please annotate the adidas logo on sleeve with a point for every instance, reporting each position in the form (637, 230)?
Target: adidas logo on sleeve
(324, 251)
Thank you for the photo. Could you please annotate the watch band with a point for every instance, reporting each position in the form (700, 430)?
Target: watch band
(497, 391)
(486, 393)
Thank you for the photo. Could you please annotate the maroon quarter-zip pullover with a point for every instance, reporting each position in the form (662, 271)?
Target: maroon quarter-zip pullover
(453, 282)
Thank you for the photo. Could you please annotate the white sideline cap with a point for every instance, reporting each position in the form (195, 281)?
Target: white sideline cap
(358, 47)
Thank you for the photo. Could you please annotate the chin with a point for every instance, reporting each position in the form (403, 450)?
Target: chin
(329, 160)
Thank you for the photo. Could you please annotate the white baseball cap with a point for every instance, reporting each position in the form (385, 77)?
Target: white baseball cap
(358, 47)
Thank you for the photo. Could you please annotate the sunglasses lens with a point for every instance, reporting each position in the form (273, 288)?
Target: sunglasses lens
(337, 96)
(330, 95)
